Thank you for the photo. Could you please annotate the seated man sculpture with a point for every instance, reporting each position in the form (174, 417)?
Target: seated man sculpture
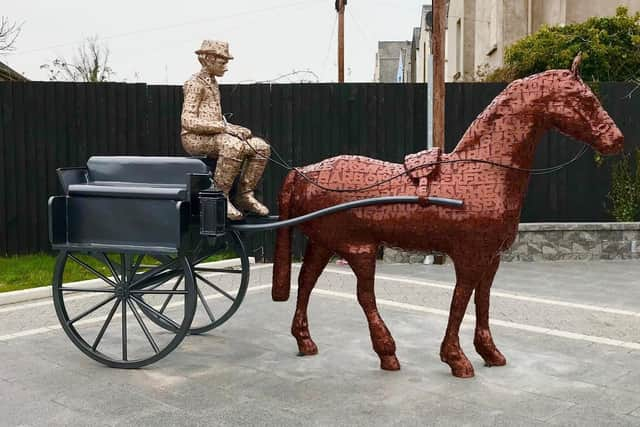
(205, 132)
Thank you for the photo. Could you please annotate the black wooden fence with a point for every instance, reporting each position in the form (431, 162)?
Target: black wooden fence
(48, 125)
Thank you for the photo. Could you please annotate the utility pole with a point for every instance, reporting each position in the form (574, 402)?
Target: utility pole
(439, 24)
(340, 5)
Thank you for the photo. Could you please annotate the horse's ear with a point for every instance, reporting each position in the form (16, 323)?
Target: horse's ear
(575, 67)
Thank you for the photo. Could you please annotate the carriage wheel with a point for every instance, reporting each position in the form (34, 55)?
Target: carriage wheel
(103, 319)
(220, 289)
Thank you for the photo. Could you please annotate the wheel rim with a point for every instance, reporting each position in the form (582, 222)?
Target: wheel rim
(219, 289)
(108, 319)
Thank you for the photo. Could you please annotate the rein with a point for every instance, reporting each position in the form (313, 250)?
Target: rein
(536, 171)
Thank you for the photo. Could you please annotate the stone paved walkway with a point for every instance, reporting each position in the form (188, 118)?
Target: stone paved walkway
(570, 332)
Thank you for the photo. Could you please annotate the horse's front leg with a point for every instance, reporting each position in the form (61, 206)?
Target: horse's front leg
(483, 341)
(316, 258)
(364, 266)
(450, 351)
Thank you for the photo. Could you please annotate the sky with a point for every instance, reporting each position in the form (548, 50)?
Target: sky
(154, 42)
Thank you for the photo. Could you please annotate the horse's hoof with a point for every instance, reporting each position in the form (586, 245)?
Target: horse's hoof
(490, 354)
(461, 367)
(462, 372)
(307, 347)
(494, 359)
(389, 363)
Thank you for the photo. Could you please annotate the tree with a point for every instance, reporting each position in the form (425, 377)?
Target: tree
(610, 49)
(9, 32)
(90, 64)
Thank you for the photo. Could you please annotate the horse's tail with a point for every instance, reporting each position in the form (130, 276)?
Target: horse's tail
(282, 257)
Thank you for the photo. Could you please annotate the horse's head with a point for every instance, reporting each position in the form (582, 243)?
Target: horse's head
(575, 111)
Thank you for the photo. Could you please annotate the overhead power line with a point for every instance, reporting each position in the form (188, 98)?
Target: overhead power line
(166, 27)
(329, 48)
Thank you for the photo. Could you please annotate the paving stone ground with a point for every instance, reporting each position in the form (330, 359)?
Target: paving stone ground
(570, 332)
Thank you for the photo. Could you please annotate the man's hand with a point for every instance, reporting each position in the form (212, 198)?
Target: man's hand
(239, 131)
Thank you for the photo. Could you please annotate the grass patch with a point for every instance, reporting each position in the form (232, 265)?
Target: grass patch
(26, 271)
(32, 271)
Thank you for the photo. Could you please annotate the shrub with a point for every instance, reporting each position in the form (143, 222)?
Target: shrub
(624, 196)
(610, 46)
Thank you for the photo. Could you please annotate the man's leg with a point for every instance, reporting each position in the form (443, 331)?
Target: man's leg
(230, 156)
(257, 153)
(200, 145)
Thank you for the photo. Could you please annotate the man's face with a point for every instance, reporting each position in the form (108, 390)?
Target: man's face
(216, 65)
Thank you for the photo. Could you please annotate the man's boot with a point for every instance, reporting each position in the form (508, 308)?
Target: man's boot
(227, 169)
(248, 181)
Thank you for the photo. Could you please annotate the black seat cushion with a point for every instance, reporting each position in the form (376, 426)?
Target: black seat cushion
(130, 190)
(138, 169)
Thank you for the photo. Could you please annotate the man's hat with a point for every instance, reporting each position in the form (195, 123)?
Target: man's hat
(215, 47)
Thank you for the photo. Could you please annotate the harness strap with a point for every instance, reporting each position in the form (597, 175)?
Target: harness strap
(420, 166)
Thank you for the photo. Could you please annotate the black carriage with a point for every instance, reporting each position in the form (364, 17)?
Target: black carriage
(149, 229)
(146, 228)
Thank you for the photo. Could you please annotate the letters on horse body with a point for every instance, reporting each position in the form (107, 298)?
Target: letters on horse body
(487, 170)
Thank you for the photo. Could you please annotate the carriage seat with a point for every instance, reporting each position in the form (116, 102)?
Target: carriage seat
(172, 178)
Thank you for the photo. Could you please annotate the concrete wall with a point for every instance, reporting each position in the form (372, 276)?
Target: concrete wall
(388, 59)
(559, 242)
(581, 10)
(460, 41)
(424, 48)
(550, 12)
(453, 40)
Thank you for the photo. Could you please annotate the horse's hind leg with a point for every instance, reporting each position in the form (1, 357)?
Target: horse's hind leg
(316, 258)
(450, 352)
(364, 267)
(483, 341)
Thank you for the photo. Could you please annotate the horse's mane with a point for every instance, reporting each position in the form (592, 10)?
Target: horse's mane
(512, 95)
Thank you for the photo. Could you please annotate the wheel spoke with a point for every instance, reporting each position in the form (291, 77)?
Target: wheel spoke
(164, 259)
(153, 272)
(89, 311)
(136, 265)
(93, 270)
(157, 292)
(218, 270)
(101, 290)
(123, 264)
(124, 330)
(105, 258)
(215, 287)
(199, 260)
(156, 281)
(105, 325)
(166, 302)
(143, 327)
(155, 312)
(204, 303)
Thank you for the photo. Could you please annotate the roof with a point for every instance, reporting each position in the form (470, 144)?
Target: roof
(8, 74)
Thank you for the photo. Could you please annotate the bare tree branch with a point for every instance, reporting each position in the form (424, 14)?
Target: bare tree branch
(9, 32)
(91, 64)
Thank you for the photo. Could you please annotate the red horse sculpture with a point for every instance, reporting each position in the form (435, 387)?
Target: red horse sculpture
(487, 170)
